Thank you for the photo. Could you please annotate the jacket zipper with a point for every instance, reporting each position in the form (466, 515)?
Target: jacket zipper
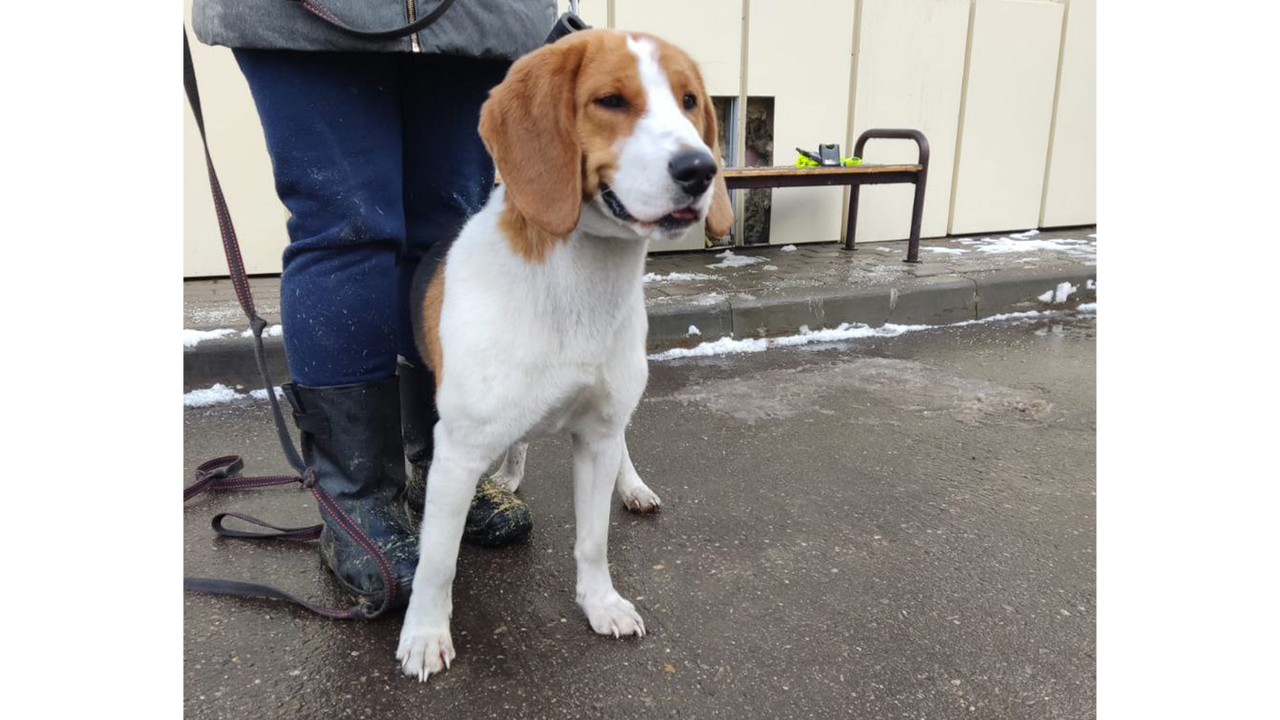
(413, 16)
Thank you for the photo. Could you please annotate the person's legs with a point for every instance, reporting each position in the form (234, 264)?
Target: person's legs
(448, 176)
(332, 125)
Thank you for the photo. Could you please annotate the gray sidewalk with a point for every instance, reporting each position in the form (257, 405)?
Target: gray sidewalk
(754, 292)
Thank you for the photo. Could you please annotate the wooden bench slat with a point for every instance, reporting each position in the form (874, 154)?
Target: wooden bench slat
(788, 170)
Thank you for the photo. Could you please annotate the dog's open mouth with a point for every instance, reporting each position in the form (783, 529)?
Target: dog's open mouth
(674, 220)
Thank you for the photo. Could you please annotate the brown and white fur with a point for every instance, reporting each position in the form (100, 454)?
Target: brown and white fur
(535, 322)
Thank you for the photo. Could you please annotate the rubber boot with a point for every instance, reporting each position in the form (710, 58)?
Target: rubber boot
(351, 436)
(497, 517)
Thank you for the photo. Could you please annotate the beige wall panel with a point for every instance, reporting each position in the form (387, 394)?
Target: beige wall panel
(709, 30)
(240, 154)
(910, 73)
(1071, 182)
(1007, 110)
(801, 57)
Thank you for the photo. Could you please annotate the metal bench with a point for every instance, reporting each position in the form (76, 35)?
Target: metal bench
(855, 177)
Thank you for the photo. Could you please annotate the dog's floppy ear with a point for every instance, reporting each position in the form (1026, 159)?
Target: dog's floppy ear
(528, 125)
(720, 215)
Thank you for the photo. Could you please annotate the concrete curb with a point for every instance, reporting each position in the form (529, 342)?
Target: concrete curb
(921, 300)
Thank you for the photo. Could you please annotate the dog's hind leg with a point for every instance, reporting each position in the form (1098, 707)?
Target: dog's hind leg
(595, 470)
(512, 470)
(636, 496)
(425, 646)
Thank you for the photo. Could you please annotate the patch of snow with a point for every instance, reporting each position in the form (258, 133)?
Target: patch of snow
(1090, 284)
(220, 394)
(1059, 295)
(731, 260)
(677, 277)
(693, 330)
(788, 248)
(216, 395)
(1024, 315)
(885, 249)
(843, 331)
(723, 346)
(273, 331)
(769, 267)
(945, 250)
(1027, 235)
(1012, 244)
(192, 338)
(1087, 307)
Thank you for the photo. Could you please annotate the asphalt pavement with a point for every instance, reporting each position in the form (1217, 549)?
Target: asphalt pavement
(876, 528)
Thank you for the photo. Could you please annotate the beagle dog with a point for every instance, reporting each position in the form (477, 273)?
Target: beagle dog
(534, 323)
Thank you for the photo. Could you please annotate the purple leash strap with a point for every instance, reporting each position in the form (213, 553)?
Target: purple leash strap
(223, 474)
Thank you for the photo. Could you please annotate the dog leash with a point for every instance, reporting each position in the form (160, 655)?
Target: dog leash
(223, 474)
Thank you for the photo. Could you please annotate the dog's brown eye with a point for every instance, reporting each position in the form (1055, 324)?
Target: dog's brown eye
(613, 101)
(690, 101)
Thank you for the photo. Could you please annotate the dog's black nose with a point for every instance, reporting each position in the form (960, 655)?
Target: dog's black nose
(692, 170)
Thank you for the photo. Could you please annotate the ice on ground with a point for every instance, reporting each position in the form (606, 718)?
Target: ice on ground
(945, 250)
(216, 395)
(788, 248)
(885, 249)
(1059, 295)
(273, 331)
(676, 277)
(1025, 235)
(693, 330)
(192, 338)
(729, 259)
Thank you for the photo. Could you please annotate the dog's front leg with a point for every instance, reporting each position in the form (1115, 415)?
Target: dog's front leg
(425, 644)
(596, 460)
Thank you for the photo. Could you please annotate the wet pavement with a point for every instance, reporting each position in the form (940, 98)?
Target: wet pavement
(877, 528)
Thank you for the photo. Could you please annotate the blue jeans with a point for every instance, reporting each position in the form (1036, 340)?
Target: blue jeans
(378, 160)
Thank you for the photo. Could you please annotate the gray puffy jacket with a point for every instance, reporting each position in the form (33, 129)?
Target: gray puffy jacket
(470, 28)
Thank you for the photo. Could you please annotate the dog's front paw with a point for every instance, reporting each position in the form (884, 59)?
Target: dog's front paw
(423, 652)
(640, 499)
(612, 614)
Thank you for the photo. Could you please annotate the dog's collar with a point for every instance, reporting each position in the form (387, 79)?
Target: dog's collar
(615, 205)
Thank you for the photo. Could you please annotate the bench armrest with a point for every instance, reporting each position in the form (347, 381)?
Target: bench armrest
(922, 144)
